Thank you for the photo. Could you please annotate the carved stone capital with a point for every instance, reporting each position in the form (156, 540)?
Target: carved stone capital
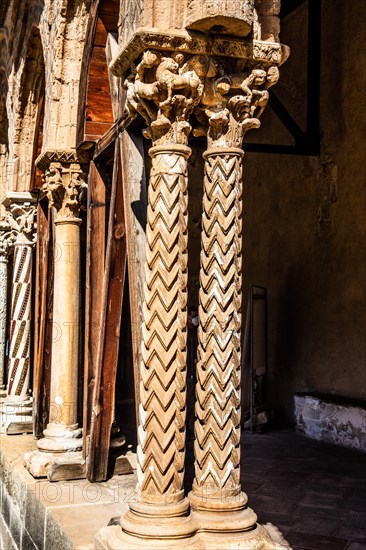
(20, 217)
(7, 239)
(64, 176)
(164, 90)
(232, 104)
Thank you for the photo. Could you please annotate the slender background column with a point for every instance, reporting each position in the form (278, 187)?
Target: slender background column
(65, 188)
(6, 241)
(20, 216)
(20, 324)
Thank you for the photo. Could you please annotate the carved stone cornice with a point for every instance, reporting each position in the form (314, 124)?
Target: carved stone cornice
(20, 216)
(68, 156)
(253, 51)
(64, 176)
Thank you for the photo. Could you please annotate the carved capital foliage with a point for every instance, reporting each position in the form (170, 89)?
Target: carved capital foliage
(7, 238)
(164, 90)
(65, 186)
(20, 218)
(232, 104)
(226, 96)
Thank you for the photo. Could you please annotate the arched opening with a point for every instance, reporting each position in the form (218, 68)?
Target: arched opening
(29, 117)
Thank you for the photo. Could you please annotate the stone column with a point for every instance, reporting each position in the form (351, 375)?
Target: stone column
(17, 407)
(6, 243)
(160, 516)
(218, 504)
(65, 185)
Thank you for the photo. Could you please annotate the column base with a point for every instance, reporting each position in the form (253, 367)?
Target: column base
(16, 416)
(61, 439)
(145, 526)
(150, 526)
(258, 538)
(55, 467)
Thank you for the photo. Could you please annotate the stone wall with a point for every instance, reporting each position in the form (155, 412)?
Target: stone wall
(305, 219)
(41, 52)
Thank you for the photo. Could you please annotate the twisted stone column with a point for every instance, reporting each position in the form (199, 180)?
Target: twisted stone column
(160, 517)
(162, 411)
(218, 504)
(65, 188)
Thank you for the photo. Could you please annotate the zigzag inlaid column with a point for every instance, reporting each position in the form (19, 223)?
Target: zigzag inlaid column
(160, 517)
(6, 241)
(21, 219)
(218, 503)
(19, 354)
(162, 411)
(16, 410)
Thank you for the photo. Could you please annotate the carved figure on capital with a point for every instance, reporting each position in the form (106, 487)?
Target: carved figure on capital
(21, 220)
(7, 239)
(234, 103)
(152, 92)
(65, 187)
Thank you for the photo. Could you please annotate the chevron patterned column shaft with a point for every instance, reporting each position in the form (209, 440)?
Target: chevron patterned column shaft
(217, 444)
(3, 313)
(19, 355)
(162, 413)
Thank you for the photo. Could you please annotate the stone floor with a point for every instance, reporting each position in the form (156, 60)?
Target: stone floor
(315, 494)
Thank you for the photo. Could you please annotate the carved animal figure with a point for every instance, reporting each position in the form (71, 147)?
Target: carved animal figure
(169, 79)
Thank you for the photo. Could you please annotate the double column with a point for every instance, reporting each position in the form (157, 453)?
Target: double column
(64, 185)
(225, 105)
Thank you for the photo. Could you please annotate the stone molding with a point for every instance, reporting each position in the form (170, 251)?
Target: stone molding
(251, 51)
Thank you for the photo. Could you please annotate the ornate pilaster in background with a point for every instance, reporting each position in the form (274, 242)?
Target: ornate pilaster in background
(17, 407)
(6, 246)
(65, 186)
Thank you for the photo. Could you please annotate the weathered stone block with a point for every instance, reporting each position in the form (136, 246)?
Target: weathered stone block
(331, 420)
(221, 16)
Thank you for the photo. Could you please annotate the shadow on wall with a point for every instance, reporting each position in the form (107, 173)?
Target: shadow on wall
(294, 309)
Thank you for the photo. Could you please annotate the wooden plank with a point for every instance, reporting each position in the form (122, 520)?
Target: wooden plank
(110, 322)
(84, 72)
(135, 193)
(116, 90)
(43, 317)
(95, 252)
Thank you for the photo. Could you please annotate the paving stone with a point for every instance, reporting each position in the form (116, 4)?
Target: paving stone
(353, 545)
(302, 541)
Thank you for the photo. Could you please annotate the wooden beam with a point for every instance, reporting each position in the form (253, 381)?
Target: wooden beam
(95, 252)
(109, 332)
(43, 317)
(135, 193)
